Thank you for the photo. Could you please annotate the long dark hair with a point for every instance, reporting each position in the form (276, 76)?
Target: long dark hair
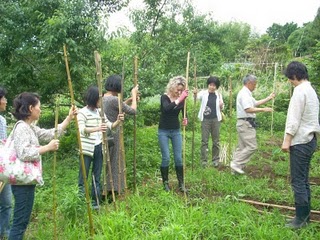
(22, 103)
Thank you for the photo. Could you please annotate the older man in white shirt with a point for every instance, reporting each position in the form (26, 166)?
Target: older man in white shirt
(247, 107)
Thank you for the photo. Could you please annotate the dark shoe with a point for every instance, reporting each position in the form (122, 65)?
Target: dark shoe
(166, 187)
(301, 218)
(165, 178)
(179, 172)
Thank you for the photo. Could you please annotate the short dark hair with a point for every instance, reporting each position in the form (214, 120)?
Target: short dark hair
(92, 96)
(296, 71)
(21, 104)
(3, 92)
(113, 83)
(214, 80)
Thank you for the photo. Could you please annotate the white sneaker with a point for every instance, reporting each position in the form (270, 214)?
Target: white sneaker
(235, 168)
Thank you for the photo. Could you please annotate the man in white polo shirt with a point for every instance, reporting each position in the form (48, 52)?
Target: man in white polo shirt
(247, 107)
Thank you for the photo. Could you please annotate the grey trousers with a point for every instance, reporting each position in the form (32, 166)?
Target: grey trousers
(210, 127)
(247, 143)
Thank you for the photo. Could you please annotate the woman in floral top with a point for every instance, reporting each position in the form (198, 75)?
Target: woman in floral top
(27, 136)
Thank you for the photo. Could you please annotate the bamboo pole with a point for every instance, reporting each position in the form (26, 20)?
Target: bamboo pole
(274, 89)
(194, 111)
(273, 205)
(105, 147)
(184, 127)
(1, 186)
(80, 145)
(135, 81)
(230, 117)
(121, 153)
(54, 180)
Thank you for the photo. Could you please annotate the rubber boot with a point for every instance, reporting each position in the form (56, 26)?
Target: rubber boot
(165, 178)
(301, 218)
(179, 172)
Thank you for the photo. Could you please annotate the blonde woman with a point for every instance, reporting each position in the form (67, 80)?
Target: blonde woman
(172, 103)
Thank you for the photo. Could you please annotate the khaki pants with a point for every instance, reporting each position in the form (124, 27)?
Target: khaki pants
(247, 143)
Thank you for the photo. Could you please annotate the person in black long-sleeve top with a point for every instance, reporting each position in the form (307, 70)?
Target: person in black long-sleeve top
(172, 103)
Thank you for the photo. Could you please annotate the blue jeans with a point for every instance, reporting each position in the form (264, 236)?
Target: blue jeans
(5, 210)
(176, 140)
(300, 157)
(23, 204)
(96, 173)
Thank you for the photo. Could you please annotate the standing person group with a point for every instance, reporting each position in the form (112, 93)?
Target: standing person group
(5, 193)
(91, 130)
(247, 107)
(300, 139)
(111, 110)
(172, 103)
(210, 117)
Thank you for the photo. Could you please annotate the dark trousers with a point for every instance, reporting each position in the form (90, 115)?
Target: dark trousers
(300, 157)
(23, 204)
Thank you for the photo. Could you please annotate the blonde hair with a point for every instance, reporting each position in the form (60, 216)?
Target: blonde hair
(174, 82)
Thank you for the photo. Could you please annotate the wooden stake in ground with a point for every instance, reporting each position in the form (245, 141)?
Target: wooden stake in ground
(135, 81)
(274, 89)
(54, 182)
(230, 122)
(86, 188)
(121, 153)
(184, 127)
(105, 147)
(194, 111)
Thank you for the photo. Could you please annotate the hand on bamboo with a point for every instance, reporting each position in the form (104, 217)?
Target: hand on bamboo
(267, 109)
(134, 91)
(271, 96)
(103, 127)
(120, 117)
(183, 96)
(185, 121)
(53, 145)
(73, 111)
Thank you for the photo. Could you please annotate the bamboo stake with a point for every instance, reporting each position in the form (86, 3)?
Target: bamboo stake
(184, 127)
(230, 116)
(121, 154)
(194, 112)
(274, 89)
(135, 81)
(105, 147)
(273, 205)
(80, 145)
(1, 186)
(54, 182)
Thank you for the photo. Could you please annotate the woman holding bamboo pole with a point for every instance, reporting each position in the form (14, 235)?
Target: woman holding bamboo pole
(111, 109)
(27, 135)
(172, 103)
(91, 128)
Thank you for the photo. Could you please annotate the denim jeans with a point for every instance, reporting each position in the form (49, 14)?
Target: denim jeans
(174, 135)
(96, 160)
(5, 210)
(23, 204)
(300, 157)
(210, 127)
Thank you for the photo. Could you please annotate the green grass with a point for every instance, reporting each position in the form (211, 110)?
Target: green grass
(211, 210)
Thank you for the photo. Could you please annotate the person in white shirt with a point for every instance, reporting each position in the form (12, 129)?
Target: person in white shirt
(300, 141)
(247, 107)
(210, 117)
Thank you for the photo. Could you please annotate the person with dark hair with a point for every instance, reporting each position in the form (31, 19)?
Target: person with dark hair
(91, 128)
(247, 107)
(172, 103)
(5, 193)
(26, 135)
(300, 139)
(111, 110)
(210, 116)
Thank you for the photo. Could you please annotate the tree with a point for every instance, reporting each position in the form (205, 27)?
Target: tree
(32, 34)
